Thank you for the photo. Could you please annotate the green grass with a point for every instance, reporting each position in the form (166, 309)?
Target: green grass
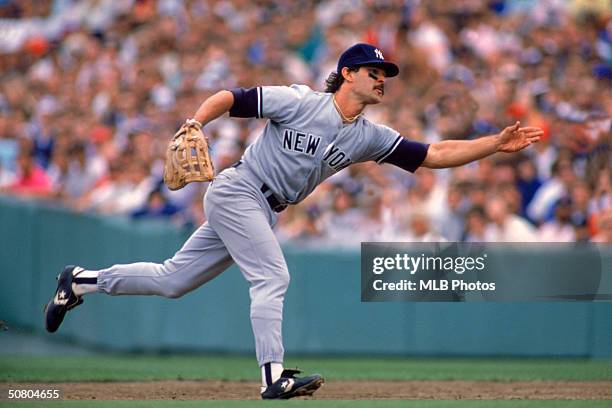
(313, 403)
(138, 367)
(142, 367)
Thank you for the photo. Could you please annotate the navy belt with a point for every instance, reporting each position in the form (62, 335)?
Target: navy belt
(273, 202)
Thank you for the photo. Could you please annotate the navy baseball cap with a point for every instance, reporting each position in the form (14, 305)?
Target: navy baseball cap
(360, 55)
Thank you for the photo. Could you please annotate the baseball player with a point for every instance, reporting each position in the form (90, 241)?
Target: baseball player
(308, 137)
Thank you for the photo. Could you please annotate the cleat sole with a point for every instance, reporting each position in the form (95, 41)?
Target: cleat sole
(309, 389)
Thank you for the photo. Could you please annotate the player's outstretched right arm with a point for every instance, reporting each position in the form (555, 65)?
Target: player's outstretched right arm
(214, 106)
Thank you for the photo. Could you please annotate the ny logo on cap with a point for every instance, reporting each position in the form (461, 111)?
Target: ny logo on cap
(379, 54)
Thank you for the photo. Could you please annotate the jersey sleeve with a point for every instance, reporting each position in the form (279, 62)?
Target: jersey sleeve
(388, 146)
(245, 103)
(407, 155)
(282, 103)
(381, 140)
(279, 103)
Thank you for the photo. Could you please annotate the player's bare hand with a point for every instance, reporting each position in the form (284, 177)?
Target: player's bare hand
(515, 138)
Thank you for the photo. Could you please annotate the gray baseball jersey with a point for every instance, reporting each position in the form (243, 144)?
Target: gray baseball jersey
(305, 140)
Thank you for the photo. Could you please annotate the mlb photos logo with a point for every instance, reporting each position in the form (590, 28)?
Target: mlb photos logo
(379, 54)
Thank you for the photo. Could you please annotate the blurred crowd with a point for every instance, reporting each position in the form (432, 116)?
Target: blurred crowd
(92, 90)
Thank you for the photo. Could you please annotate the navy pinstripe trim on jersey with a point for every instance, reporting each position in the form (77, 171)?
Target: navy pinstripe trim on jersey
(389, 150)
(407, 155)
(259, 102)
(246, 103)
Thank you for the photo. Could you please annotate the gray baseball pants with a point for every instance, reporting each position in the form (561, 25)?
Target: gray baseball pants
(238, 228)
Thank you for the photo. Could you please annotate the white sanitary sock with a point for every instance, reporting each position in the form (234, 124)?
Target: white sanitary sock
(84, 282)
(270, 372)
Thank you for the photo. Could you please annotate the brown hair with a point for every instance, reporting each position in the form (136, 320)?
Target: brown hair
(335, 79)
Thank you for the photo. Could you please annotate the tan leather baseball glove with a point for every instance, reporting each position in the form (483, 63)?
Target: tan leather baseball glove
(187, 157)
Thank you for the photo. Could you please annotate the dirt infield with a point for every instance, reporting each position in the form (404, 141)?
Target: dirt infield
(346, 390)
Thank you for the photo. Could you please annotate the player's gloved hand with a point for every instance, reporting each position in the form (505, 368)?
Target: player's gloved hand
(187, 157)
(193, 122)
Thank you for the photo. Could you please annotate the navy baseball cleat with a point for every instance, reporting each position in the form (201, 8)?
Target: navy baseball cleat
(289, 386)
(63, 300)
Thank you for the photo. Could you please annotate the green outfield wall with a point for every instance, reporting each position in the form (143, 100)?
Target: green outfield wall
(323, 311)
